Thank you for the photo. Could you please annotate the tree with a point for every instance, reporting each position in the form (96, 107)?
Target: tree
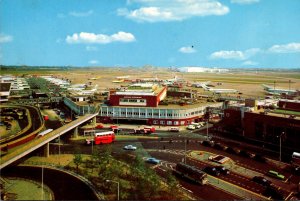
(77, 160)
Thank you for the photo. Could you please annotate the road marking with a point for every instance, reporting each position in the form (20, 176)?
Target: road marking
(186, 189)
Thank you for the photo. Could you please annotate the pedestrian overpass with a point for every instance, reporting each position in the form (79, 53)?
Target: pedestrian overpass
(22, 150)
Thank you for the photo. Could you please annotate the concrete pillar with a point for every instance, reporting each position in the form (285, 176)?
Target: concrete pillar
(46, 150)
(75, 132)
(94, 121)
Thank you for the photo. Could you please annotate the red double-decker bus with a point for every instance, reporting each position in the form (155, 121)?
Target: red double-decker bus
(102, 138)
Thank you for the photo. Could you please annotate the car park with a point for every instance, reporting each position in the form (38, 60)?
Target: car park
(130, 147)
(222, 170)
(261, 180)
(275, 174)
(152, 160)
(212, 171)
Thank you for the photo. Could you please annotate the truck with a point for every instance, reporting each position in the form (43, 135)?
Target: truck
(190, 172)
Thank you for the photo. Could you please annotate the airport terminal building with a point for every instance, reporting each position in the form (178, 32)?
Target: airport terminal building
(141, 103)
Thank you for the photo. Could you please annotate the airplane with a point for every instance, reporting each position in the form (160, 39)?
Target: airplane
(219, 91)
(277, 91)
(201, 84)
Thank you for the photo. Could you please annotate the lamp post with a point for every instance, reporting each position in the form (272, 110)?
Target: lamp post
(185, 150)
(280, 136)
(207, 130)
(118, 186)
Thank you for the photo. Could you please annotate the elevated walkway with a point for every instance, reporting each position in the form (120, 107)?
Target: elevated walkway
(29, 147)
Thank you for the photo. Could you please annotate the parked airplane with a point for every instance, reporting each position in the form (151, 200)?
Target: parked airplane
(277, 91)
(219, 91)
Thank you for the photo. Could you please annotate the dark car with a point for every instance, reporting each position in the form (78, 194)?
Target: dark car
(212, 171)
(246, 154)
(261, 180)
(274, 193)
(260, 158)
(232, 150)
(220, 146)
(222, 170)
(208, 143)
(117, 130)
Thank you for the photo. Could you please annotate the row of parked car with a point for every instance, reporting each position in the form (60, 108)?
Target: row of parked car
(232, 150)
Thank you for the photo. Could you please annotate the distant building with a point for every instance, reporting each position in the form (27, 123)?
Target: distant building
(202, 70)
(4, 91)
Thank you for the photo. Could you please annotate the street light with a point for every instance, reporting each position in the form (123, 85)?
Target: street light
(118, 186)
(280, 136)
(207, 130)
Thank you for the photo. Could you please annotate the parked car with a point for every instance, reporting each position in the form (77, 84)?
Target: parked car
(212, 171)
(246, 154)
(261, 180)
(174, 129)
(274, 193)
(276, 175)
(208, 143)
(99, 126)
(222, 170)
(191, 127)
(117, 130)
(220, 146)
(232, 150)
(152, 160)
(130, 147)
(260, 158)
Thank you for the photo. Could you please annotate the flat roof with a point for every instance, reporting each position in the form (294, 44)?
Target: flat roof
(285, 114)
(171, 106)
(141, 92)
(5, 87)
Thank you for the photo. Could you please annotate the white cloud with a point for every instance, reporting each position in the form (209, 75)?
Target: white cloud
(91, 48)
(233, 54)
(224, 54)
(172, 10)
(249, 63)
(287, 48)
(81, 14)
(5, 38)
(188, 49)
(244, 1)
(89, 38)
(93, 61)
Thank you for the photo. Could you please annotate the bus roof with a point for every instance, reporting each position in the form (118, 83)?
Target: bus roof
(104, 133)
(296, 154)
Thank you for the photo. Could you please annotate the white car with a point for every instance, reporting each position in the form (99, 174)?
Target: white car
(130, 147)
(191, 127)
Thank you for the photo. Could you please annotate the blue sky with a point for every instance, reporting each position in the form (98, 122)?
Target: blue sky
(177, 33)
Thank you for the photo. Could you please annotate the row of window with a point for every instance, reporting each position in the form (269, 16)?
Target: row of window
(155, 114)
(124, 100)
(163, 122)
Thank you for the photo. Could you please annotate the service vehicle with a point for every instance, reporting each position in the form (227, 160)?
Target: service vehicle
(190, 172)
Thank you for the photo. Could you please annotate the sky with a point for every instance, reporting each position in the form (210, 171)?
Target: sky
(166, 33)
